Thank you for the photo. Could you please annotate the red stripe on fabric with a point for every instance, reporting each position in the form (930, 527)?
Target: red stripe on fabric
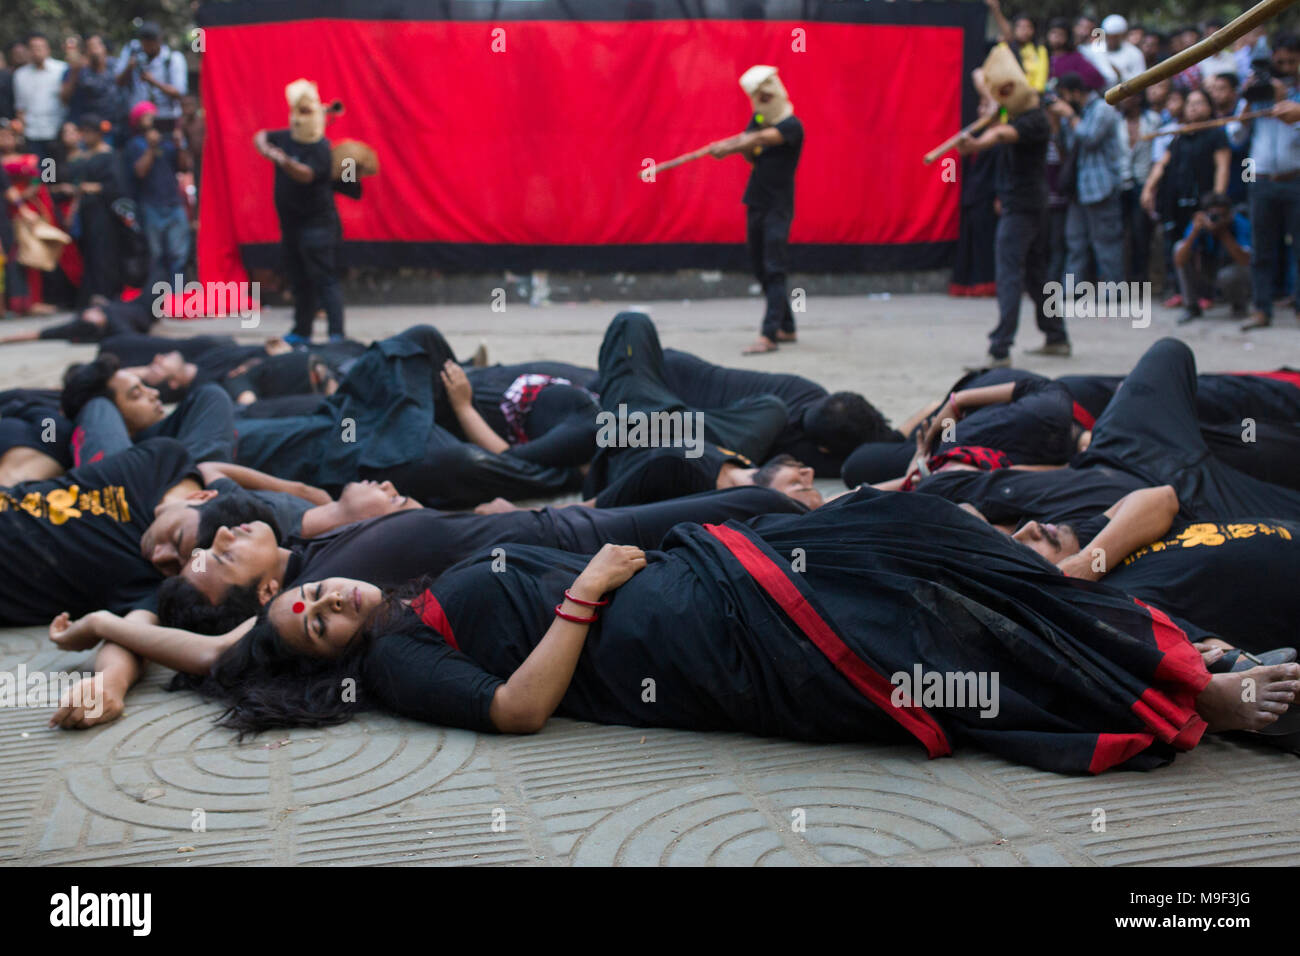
(78, 439)
(1083, 416)
(875, 687)
(1113, 749)
(1278, 375)
(1182, 663)
(432, 614)
(96, 457)
(1170, 712)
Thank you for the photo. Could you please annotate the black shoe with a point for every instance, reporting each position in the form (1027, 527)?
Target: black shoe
(1236, 659)
(1189, 315)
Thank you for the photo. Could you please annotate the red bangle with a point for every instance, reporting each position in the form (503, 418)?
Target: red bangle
(584, 603)
(574, 618)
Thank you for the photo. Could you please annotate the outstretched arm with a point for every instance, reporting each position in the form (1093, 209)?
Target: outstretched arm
(172, 647)
(744, 143)
(255, 480)
(116, 669)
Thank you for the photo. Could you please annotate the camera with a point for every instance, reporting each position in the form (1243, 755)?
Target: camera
(1259, 88)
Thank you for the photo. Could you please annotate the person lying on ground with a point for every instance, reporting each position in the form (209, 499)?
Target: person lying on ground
(111, 409)
(246, 565)
(718, 632)
(1235, 579)
(662, 477)
(641, 415)
(389, 421)
(97, 321)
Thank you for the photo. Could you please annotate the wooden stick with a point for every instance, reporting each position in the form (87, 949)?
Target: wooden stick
(948, 144)
(669, 164)
(1216, 41)
(1206, 124)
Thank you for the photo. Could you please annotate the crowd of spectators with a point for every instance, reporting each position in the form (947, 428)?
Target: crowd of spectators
(1211, 214)
(105, 147)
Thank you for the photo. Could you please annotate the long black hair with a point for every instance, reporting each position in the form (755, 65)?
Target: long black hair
(265, 683)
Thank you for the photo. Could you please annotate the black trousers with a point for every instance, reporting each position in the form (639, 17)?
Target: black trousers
(1150, 429)
(1022, 253)
(767, 236)
(309, 260)
(561, 428)
(632, 373)
(456, 474)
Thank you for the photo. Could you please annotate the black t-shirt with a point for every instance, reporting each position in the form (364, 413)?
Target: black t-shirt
(771, 183)
(394, 549)
(415, 672)
(1022, 172)
(272, 376)
(304, 205)
(73, 543)
(1035, 428)
(1058, 495)
(664, 473)
(1234, 579)
(1191, 167)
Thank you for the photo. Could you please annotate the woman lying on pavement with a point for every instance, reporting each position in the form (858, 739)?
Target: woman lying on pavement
(785, 625)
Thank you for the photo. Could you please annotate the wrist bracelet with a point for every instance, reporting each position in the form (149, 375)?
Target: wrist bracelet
(584, 603)
(574, 618)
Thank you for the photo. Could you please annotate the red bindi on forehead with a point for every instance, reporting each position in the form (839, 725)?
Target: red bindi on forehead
(298, 607)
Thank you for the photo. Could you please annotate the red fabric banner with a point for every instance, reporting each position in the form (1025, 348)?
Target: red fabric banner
(542, 142)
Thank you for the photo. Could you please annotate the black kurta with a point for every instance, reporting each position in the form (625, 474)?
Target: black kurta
(794, 626)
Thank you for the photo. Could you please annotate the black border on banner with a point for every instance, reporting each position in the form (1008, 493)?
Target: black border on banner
(643, 257)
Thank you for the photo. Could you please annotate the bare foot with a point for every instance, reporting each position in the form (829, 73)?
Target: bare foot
(497, 506)
(763, 344)
(480, 357)
(1248, 700)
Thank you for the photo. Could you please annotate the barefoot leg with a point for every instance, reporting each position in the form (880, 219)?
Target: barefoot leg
(1248, 700)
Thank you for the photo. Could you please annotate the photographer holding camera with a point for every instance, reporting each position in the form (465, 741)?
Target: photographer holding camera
(153, 72)
(1275, 151)
(1214, 253)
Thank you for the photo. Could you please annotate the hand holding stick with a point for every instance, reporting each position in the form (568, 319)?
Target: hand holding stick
(1216, 41)
(650, 173)
(948, 144)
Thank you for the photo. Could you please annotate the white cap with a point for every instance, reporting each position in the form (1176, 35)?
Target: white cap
(1114, 24)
